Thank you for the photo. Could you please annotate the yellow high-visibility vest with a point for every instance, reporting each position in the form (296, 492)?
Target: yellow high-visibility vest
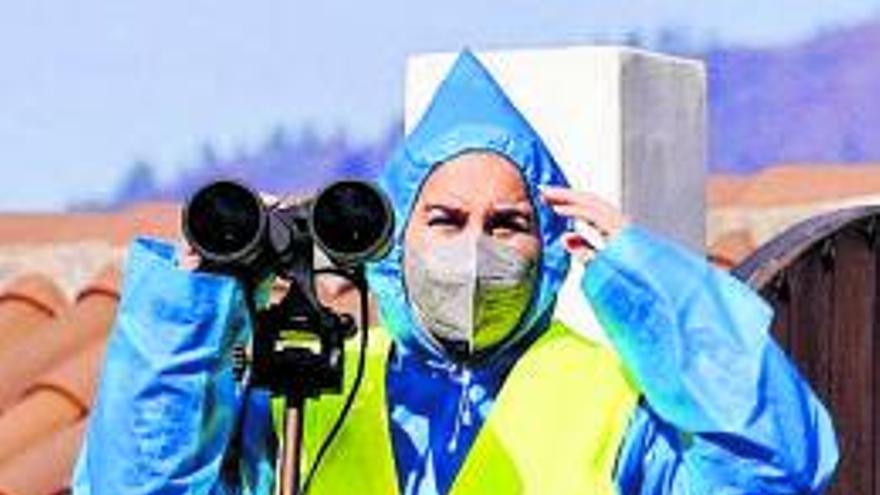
(555, 428)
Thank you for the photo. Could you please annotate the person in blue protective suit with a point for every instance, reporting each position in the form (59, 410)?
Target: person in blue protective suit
(476, 389)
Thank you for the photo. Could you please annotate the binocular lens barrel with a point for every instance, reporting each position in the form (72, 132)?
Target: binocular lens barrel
(224, 221)
(352, 221)
(227, 223)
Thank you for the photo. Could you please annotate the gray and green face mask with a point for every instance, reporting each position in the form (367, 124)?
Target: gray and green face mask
(469, 295)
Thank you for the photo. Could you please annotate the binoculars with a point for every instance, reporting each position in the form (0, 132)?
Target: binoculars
(235, 231)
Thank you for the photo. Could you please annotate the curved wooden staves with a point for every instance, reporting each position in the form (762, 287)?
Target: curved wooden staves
(822, 276)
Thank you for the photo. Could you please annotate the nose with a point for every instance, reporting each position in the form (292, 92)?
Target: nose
(470, 237)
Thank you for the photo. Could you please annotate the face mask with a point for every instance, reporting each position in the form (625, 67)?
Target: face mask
(469, 295)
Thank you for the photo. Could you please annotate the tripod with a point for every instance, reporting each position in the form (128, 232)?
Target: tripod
(298, 353)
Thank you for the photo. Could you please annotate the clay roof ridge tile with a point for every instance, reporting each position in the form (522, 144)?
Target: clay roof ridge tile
(44, 467)
(37, 290)
(106, 283)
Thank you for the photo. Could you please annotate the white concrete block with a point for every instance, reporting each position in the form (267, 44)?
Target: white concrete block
(627, 124)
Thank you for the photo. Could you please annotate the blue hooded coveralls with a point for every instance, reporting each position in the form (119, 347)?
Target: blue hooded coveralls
(722, 410)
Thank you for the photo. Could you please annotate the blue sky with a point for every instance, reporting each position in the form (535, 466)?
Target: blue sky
(88, 86)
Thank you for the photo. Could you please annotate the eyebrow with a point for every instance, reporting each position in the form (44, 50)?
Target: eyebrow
(520, 207)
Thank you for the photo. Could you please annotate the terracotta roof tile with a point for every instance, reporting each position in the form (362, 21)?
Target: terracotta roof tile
(45, 467)
(90, 318)
(75, 377)
(792, 184)
(723, 190)
(57, 399)
(106, 283)
(731, 248)
(155, 219)
(37, 290)
(50, 349)
(27, 303)
(34, 417)
(48, 383)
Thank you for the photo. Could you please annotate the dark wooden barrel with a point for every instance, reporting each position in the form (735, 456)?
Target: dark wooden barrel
(822, 277)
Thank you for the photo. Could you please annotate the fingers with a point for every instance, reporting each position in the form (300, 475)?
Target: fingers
(596, 220)
(605, 225)
(578, 247)
(585, 207)
(189, 259)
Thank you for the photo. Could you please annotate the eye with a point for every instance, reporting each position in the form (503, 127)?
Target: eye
(442, 220)
(509, 222)
(445, 218)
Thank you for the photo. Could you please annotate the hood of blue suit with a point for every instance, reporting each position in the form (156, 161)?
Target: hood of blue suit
(469, 112)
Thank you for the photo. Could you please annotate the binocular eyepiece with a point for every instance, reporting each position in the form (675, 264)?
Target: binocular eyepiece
(233, 230)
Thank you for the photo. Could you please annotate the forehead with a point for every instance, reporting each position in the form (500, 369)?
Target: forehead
(476, 176)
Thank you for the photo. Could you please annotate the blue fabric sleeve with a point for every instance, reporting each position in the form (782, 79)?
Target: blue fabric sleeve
(723, 407)
(167, 401)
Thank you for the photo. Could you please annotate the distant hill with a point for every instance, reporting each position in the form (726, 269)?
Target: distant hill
(811, 102)
(297, 163)
(817, 101)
